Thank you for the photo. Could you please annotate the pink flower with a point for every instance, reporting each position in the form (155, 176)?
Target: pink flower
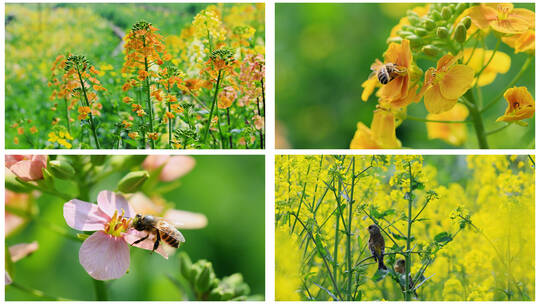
(22, 250)
(157, 206)
(27, 167)
(17, 201)
(105, 254)
(172, 167)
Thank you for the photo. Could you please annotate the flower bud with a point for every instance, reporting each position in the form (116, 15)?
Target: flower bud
(394, 39)
(133, 181)
(429, 24)
(460, 7)
(430, 50)
(14, 185)
(413, 19)
(466, 21)
(442, 32)
(461, 33)
(203, 280)
(185, 264)
(446, 13)
(98, 160)
(436, 16)
(420, 32)
(61, 169)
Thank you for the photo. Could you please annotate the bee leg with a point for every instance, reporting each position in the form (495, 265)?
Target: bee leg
(158, 239)
(140, 240)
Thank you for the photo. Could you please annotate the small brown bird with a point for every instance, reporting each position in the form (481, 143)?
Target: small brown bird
(376, 245)
(399, 267)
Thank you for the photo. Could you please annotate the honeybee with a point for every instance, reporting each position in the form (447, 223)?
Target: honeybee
(158, 227)
(386, 72)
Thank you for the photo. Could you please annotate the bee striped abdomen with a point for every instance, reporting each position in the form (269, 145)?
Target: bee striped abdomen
(383, 76)
(170, 239)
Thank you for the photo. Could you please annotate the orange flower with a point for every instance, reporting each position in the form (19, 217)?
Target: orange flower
(453, 133)
(126, 86)
(153, 136)
(127, 99)
(398, 93)
(33, 130)
(444, 85)
(126, 124)
(177, 108)
(520, 104)
(382, 134)
(523, 42)
(20, 131)
(501, 17)
(142, 74)
(83, 112)
(133, 135)
(259, 122)
(16, 140)
(135, 107)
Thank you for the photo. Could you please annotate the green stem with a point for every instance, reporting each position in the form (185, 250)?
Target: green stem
(170, 120)
(477, 121)
(101, 290)
(511, 84)
(349, 234)
(497, 130)
(261, 131)
(92, 125)
(212, 108)
(436, 121)
(409, 227)
(229, 124)
(68, 123)
(37, 293)
(148, 101)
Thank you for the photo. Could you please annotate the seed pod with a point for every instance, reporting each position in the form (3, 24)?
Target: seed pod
(413, 19)
(466, 21)
(394, 39)
(442, 32)
(461, 33)
(133, 181)
(61, 169)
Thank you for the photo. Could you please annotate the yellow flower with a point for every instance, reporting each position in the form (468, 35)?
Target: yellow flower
(444, 85)
(133, 135)
(452, 133)
(369, 86)
(520, 104)
(480, 57)
(382, 134)
(523, 42)
(501, 17)
(397, 93)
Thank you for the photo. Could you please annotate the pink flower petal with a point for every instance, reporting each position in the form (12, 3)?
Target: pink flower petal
(143, 205)
(185, 219)
(109, 202)
(176, 167)
(22, 250)
(13, 222)
(8, 279)
(13, 159)
(104, 257)
(84, 216)
(153, 162)
(28, 170)
(132, 235)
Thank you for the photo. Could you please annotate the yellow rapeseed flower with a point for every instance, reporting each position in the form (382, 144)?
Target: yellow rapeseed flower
(500, 64)
(382, 134)
(520, 104)
(453, 133)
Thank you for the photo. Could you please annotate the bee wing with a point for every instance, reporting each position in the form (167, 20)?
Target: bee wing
(164, 226)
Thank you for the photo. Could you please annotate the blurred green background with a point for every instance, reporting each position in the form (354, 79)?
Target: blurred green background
(229, 190)
(323, 55)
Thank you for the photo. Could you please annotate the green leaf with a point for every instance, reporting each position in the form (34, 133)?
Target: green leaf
(443, 237)
(379, 275)
(400, 237)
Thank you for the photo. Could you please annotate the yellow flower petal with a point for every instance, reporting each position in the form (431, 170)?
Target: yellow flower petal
(435, 102)
(456, 81)
(453, 133)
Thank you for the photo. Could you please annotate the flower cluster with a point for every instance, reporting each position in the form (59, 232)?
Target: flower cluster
(450, 35)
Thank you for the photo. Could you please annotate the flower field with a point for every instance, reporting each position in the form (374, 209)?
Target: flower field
(135, 76)
(394, 228)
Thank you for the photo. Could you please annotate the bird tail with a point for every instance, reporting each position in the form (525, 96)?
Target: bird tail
(381, 265)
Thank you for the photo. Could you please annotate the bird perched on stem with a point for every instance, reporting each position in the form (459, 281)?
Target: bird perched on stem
(399, 267)
(376, 245)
